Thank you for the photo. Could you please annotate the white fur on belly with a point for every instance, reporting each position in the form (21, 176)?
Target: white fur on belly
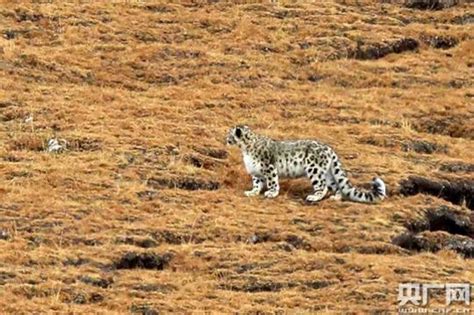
(252, 167)
(288, 169)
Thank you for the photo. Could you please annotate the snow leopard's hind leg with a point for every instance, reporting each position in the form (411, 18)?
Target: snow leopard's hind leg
(333, 187)
(316, 169)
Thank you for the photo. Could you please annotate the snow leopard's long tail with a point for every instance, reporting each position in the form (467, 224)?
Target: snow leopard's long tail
(350, 192)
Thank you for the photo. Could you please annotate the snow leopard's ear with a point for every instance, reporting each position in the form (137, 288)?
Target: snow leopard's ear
(238, 132)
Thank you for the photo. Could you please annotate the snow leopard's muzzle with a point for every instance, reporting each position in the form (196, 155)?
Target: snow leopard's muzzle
(230, 140)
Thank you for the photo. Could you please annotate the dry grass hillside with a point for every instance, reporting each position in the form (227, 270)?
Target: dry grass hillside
(144, 211)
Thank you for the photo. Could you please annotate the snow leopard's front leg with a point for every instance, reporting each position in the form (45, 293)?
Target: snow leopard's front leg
(271, 176)
(257, 187)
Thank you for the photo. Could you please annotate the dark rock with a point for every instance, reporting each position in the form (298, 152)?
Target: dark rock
(412, 241)
(133, 260)
(380, 50)
(146, 37)
(96, 298)
(212, 152)
(9, 34)
(443, 218)
(259, 237)
(140, 242)
(284, 246)
(87, 242)
(255, 285)
(441, 228)
(377, 249)
(79, 298)
(76, 261)
(159, 8)
(12, 34)
(146, 243)
(5, 276)
(24, 15)
(194, 160)
(259, 286)
(304, 45)
(400, 271)
(298, 242)
(266, 48)
(419, 225)
(379, 141)
(245, 267)
(84, 298)
(152, 287)
(98, 282)
(430, 4)
(143, 309)
(85, 144)
(441, 42)
(147, 195)
(315, 78)
(455, 191)
(12, 158)
(457, 167)
(435, 242)
(317, 284)
(467, 18)
(171, 237)
(462, 246)
(201, 162)
(183, 183)
(4, 235)
(421, 146)
(453, 126)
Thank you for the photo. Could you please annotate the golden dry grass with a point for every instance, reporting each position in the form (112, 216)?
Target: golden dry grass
(139, 89)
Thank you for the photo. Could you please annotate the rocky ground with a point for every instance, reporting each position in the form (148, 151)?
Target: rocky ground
(140, 206)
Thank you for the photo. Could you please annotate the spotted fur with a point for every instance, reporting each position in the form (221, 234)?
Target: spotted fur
(267, 160)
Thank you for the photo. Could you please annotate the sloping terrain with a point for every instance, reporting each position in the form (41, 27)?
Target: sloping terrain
(144, 211)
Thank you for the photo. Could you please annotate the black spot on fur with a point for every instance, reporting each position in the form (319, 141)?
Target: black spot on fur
(238, 132)
(378, 189)
(336, 171)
